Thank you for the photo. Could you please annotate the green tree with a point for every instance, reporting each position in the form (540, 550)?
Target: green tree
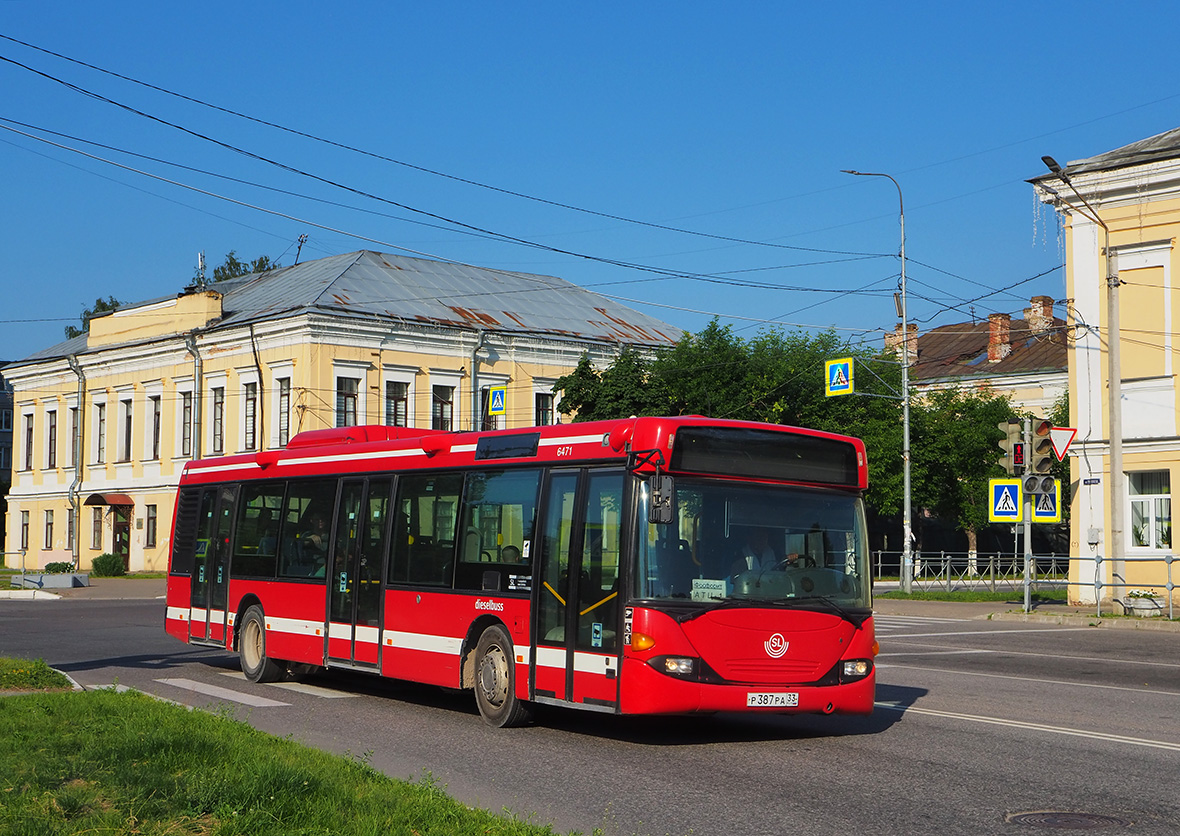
(620, 390)
(233, 267)
(100, 306)
(954, 451)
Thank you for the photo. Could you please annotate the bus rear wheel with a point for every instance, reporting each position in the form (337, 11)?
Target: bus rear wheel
(495, 680)
(252, 649)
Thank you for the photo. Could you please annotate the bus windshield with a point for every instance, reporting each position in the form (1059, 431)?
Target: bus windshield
(730, 542)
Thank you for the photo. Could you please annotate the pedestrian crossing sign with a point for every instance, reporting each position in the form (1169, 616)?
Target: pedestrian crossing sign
(1046, 507)
(1006, 501)
(497, 395)
(838, 376)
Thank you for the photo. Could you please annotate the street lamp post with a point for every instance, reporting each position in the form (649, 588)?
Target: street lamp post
(1114, 545)
(907, 552)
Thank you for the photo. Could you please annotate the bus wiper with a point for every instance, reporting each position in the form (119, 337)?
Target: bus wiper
(856, 619)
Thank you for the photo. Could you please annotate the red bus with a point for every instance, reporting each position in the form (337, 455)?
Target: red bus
(638, 566)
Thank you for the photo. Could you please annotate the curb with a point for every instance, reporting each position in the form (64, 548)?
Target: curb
(1081, 619)
(28, 595)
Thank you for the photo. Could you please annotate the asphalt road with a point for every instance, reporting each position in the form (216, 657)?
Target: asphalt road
(983, 727)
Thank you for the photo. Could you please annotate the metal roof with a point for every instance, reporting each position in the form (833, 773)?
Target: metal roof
(367, 285)
(960, 351)
(1163, 146)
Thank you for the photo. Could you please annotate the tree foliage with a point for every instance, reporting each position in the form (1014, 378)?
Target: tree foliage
(100, 306)
(778, 377)
(233, 267)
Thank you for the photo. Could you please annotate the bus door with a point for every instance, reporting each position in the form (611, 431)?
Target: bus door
(210, 578)
(578, 595)
(356, 571)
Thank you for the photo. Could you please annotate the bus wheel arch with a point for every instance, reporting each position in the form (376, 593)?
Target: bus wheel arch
(251, 645)
(493, 675)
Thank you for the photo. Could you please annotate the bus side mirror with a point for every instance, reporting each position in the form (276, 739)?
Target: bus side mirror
(660, 508)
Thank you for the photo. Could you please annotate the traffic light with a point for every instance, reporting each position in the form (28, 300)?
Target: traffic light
(1041, 458)
(1013, 446)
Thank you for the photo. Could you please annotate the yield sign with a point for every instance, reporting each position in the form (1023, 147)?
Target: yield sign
(1061, 437)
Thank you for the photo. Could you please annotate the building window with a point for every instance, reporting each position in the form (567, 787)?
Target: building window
(125, 447)
(149, 534)
(397, 403)
(219, 420)
(51, 439)
(5, 459)
(96, 528)
(251, 416)
(5, 420)
(70, 524)
(157, 415)
(1151, 509)
(74, 430)
(100, 423)
(186, 423)
(442, 407)
(543, 416)
(28, 442)
(284, 410)
(488, 421)
(24, 530)
(347, 389)
(48, 530)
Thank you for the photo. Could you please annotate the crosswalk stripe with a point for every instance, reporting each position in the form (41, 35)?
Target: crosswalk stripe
(299, 687)
(222, 693)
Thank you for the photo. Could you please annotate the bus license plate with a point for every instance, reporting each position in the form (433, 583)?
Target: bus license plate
(756, 699)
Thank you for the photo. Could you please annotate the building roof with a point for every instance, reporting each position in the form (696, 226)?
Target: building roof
(961, 351)
(1164, 146)
(370, 285)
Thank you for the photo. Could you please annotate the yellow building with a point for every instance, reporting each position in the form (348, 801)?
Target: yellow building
(1128, 199)
(104, 423)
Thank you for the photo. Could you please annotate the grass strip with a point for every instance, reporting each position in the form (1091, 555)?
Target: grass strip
(102, 762)
(35, 675)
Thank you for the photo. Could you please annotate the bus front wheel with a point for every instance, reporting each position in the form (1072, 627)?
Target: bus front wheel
(495, 680)
(252, 649)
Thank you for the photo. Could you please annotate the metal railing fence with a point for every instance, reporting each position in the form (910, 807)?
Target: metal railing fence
(948, 571)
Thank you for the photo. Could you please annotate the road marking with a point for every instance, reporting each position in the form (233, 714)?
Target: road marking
(300, 687)
(1058, 656)
(1070, 683)
(933, 653)
(222, 693)
(1019, 724)
(1002, 632)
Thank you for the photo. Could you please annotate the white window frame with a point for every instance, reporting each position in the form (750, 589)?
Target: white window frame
(125, 429)
(440, 377)
(213, 383)
(544, 386)
(1151, 503)
(355, 371)
(400, 374)
(279, 372)
(100, 427)
(246, 379)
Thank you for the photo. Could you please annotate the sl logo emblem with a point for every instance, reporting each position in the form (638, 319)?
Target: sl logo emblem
(776, 646)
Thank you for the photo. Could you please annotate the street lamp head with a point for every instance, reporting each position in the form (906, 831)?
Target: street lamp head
(1052, 164)
(849, 171)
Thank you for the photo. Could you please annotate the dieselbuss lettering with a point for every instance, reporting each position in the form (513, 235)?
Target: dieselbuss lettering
(638, 566)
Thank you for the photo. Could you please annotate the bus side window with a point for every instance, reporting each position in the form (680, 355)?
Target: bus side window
(424, 529)
(256, 537)
(184, 533)
(306, 527)
(499, 512)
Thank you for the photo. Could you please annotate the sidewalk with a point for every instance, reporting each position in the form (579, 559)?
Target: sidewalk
(1042, 613)
(107, 589)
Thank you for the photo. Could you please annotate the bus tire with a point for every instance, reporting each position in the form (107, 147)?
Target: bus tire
(252, 649)
(495, 680)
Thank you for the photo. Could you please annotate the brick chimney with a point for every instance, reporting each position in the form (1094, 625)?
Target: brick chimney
(893, 342)
(1040, 316)
(999, 342)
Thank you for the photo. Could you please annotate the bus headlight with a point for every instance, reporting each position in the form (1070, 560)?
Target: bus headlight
(681, 667)
(854, 669)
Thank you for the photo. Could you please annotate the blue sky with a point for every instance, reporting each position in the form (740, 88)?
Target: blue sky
(702, 140)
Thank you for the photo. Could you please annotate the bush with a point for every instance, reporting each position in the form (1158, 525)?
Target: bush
(59, 568)
(107, 566)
